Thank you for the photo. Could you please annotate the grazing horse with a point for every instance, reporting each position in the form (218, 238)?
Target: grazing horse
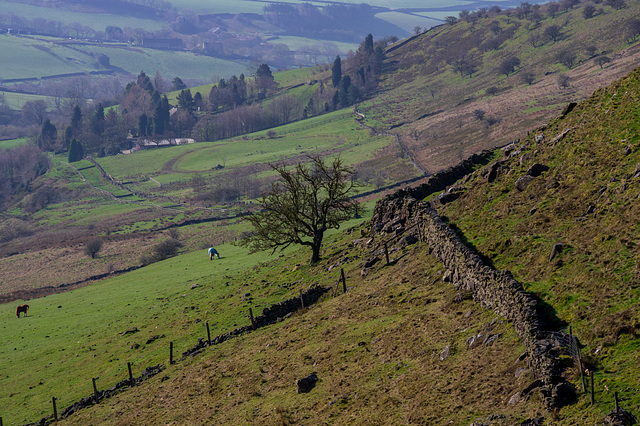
(22, 308)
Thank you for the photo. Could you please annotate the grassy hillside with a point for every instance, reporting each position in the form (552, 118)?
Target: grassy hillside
(379, 345)
(587, 203)
(425, 98)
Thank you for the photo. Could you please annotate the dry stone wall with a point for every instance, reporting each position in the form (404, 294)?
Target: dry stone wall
(493, 289)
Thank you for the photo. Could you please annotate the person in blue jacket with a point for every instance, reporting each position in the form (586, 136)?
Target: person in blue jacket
(213, 252)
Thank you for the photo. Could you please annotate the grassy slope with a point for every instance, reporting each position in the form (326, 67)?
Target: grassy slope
(593, 284)
(420, 82)
(376, 346)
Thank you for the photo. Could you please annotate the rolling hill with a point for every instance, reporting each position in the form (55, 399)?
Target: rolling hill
(408, 342)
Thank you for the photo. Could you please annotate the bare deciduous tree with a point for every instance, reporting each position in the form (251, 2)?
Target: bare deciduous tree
(302, 205)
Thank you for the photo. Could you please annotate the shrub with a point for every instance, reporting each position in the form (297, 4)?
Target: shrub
(14, 228)
(93, 247)
(161, 251)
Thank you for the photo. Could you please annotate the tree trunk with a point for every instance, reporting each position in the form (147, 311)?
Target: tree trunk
(315, 248)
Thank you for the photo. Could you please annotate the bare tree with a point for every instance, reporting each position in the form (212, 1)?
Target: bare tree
(35, 112)
(93, 247)
(302, 205)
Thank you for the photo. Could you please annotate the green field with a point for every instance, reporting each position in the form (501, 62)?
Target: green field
(97, 21)
(334, 131)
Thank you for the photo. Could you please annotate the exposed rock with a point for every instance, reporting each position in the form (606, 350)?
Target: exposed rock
(539, 138)
(131, 331)
(520, 371)
(307, 383)
(493, 171)
(475, 340)
(568, 109)
(556, 250)
(619, 418)
(508, 149)
(628, 150)
(523, 182)
(515, 398)
(537, 169)
(409, 239)
(194, 286)
(533, 209)
(491, 338)
(370, 262)
(538, 421)
(445, 353)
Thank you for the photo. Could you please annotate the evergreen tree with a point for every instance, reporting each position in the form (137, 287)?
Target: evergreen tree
(178, 84)
(97, 120)
(143, 124)
(76, 153)
(76, 120)
(161, 116)
(185, 101)
(144, 82)
(336, 71)
(48, 135)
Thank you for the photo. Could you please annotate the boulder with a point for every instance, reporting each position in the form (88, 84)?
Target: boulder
(307, 383)
(445, 353)
(537, 169)
(523, 182)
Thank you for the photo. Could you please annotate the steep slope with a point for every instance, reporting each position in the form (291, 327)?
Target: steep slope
(571, 233)
(448, 95)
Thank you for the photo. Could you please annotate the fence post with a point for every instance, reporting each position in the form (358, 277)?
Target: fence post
(593, 398)
(386, 252)
(615, 395)
(208, 334)
(95, 390)
(344, 280)
(130, 374)
(301, 300)
(170, 352)
(55, 410)
(253, 321)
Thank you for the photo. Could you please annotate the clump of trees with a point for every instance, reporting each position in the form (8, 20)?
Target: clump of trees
(18, 168)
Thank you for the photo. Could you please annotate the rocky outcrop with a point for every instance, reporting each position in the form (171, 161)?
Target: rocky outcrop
(493, 289)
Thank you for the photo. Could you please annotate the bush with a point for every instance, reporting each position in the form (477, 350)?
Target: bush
(161, 251)
(14, 228)
(93, 247)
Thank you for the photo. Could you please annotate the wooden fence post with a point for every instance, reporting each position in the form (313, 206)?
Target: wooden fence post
(0, 421)
(593, 398)
(55, 410)
(170, 352)
(253, 321)
(95, 390)
(344, 280)
(386, 252)
(301, 300)
(130, 374)
(615, 395)
(208, 334)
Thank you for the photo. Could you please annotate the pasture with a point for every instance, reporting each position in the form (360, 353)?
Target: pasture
(97, 21)
(69, 338)
(333, 132)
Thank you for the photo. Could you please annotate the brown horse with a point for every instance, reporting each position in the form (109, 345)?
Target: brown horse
(23, 309)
